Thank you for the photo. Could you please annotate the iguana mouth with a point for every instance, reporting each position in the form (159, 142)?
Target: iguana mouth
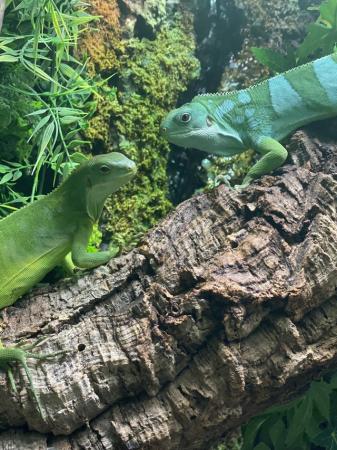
(131, 169)
(183, 133)
(127, 172)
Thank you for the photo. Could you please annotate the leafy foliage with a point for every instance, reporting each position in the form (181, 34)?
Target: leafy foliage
(320, 40)
(45, 94)
(322, 35)
(304, 424)
(64, 111)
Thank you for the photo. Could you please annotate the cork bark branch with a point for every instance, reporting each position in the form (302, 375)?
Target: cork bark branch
(227, 307)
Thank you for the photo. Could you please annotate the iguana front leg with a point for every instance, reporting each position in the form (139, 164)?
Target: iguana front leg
(273, 156)
(68, 266)
(80, 256)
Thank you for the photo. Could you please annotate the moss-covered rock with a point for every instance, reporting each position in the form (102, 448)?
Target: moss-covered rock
(148, 14)
(104, 47)
(147, 78)
(153, 74)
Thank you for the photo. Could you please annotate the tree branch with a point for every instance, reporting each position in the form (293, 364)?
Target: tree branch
(227, 307)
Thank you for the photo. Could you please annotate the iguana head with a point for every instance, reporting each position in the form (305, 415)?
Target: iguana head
(107, 173)
(99, 177)
(193, 126)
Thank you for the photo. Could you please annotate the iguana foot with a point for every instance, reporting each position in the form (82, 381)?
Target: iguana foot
(239, 187)
(20, 354)
(245, 183)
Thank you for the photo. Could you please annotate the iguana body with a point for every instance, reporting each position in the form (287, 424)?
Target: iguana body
(36, 238)
(258, 117)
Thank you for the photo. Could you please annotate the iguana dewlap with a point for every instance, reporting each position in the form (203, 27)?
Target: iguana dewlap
(258, 117)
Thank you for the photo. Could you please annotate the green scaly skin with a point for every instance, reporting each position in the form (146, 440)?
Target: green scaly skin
(38, 237)
(258, 117)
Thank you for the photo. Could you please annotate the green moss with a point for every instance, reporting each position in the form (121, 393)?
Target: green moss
(99, 129)
(147, 78)
(95, 240)
(151, 76)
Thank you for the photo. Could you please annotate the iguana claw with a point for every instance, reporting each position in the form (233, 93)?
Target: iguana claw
(20, 354)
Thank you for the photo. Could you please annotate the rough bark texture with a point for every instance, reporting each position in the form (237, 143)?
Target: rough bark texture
(227, 307)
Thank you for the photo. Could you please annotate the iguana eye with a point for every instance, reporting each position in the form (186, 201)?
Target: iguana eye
(186, 117)
(104, 169)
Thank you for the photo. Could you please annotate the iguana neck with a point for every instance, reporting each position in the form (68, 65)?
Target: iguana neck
(78, 197)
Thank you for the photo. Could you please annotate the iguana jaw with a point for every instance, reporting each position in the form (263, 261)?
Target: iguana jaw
(193, 126)
(211, 138)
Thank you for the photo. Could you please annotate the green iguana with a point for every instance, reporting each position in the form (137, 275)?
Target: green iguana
(259, 117)
(38, 237)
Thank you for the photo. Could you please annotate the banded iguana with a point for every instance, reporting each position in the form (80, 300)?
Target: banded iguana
(37, 237)
(258, 117)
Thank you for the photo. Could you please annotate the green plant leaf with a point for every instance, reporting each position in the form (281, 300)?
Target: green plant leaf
(55, 20)
(251, 430)
(79, 158)
(69, 72)
(76, 143)
(36, 70)
(262, 446)
(16, 175)
(67, 120)
(63, 111)
(328, 13)
(46, 138)
(14, 164)
(8, 58)
(276, 61)
(39, 126)
(296, 427)
(277, 434)
(322, 35)
(3, 169)
(320, 392)
(8, 176)
(327, 439)
(38, 112)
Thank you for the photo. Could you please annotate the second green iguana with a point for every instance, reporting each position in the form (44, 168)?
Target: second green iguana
(37, 237)
(259, 117)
